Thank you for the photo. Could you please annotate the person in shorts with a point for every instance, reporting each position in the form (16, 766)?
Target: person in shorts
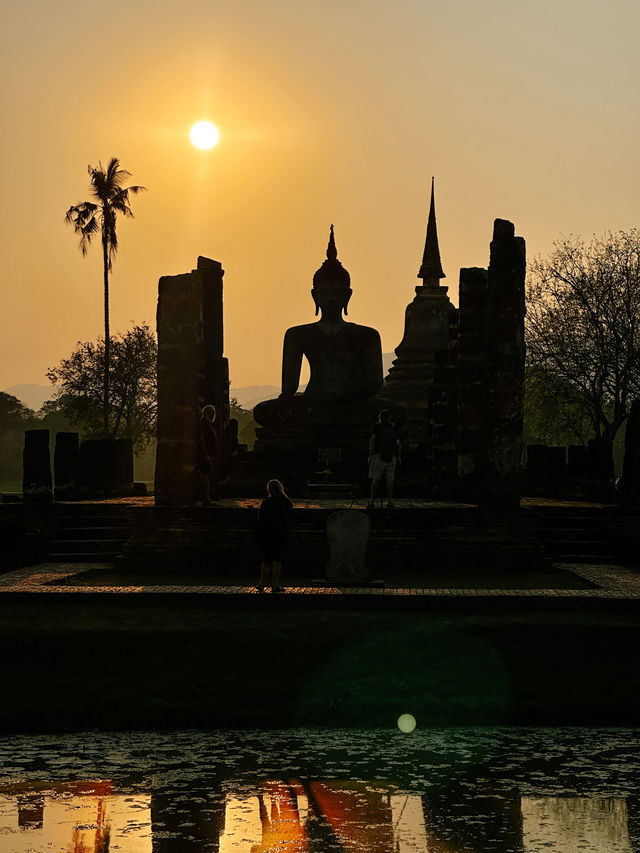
(384, 452)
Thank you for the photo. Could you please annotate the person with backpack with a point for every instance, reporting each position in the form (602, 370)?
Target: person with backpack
(384, 453)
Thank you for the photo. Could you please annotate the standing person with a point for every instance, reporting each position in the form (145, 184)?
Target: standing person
(384, 452)
(273, 526)
(207, 450)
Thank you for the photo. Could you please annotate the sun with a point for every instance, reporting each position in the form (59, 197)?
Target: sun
(204, 134)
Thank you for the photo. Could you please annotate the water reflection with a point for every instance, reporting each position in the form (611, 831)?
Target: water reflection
(438, 792)
(74, 818)
(323, 816)
(576, 824)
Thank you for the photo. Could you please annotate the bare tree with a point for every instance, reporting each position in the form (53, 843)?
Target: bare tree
(583, 326)
(87, 218)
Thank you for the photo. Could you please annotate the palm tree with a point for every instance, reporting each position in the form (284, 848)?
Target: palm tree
(87, 218)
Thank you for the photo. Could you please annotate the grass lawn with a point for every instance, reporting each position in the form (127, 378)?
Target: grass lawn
(73, 665)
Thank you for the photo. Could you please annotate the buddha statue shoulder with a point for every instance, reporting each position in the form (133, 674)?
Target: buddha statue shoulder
(345, 359)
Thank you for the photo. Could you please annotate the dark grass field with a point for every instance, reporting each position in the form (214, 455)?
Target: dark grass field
(83, 663)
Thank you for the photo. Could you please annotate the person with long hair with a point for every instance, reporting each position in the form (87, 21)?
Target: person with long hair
(273, 528)
(207, 444)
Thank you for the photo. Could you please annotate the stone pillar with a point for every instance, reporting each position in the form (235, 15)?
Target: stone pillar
(215, 378)
(504, 374)
(105, 467)
(123, 465)
(470, 373)
(191, 373)
(36, 467)
(65, 465)
(601, 470)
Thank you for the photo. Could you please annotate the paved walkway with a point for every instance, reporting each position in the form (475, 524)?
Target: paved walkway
(344, 502)
(612, 582)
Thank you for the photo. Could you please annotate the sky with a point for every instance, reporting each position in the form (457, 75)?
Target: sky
(332, 112)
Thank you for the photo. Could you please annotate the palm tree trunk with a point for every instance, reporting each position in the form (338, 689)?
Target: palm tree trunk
(107, 340)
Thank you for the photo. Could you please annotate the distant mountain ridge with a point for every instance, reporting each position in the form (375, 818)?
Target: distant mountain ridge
(33, 396)
(250, 395)
(30, 394)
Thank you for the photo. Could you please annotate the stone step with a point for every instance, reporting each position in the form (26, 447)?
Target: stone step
(582, 521)
(568, 532)
(83, 545)
(604, 559)
(564, 546)
(94, 532)
(82, 557)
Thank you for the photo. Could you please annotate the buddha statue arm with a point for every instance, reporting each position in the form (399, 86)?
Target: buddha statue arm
(292, 353)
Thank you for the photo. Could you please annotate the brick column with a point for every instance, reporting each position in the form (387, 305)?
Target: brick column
(471, 367)
(504, 374)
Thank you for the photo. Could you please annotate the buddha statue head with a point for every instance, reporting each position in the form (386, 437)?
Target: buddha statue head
(331, 284)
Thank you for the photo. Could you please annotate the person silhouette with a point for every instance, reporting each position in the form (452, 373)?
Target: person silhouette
(273, 527)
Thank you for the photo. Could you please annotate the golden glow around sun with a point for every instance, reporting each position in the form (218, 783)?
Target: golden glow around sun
(204, 135)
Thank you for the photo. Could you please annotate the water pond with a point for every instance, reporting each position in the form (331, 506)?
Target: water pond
(431, 791)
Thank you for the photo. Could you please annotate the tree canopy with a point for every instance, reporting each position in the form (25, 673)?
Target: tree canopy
(583, 330)
(132, 373)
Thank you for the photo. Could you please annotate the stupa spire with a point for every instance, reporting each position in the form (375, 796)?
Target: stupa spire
(332, 252)
(431, 269)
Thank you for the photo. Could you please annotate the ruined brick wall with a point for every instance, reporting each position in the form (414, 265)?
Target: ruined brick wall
(191, 373)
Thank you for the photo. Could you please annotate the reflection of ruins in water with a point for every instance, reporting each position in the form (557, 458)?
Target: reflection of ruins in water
(309, 816)
(74, 817)
(323, 816)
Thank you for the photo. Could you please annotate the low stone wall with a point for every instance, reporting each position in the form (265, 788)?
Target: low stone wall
(222, 541)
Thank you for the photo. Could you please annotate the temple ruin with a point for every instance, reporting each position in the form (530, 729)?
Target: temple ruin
(455, 387)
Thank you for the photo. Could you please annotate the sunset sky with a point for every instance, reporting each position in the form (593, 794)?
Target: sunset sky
(328, 112)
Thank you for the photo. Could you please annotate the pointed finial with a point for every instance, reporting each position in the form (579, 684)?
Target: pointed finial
(332, 252)
(332, 269)
(431, 269)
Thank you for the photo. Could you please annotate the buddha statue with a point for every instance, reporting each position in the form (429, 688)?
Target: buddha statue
(345, 359)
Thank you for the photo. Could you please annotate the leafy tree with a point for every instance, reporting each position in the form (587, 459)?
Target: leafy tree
(15, 418)
(89, 218)
(13, 411)
(246, 424)
(552, 413)
(132, 378)
(583, 330)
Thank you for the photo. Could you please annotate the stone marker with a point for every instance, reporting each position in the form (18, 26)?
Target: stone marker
(601, 470)
(631, 467)
(36, 467)
(577, 462)
(348, 533)
(546, 468)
